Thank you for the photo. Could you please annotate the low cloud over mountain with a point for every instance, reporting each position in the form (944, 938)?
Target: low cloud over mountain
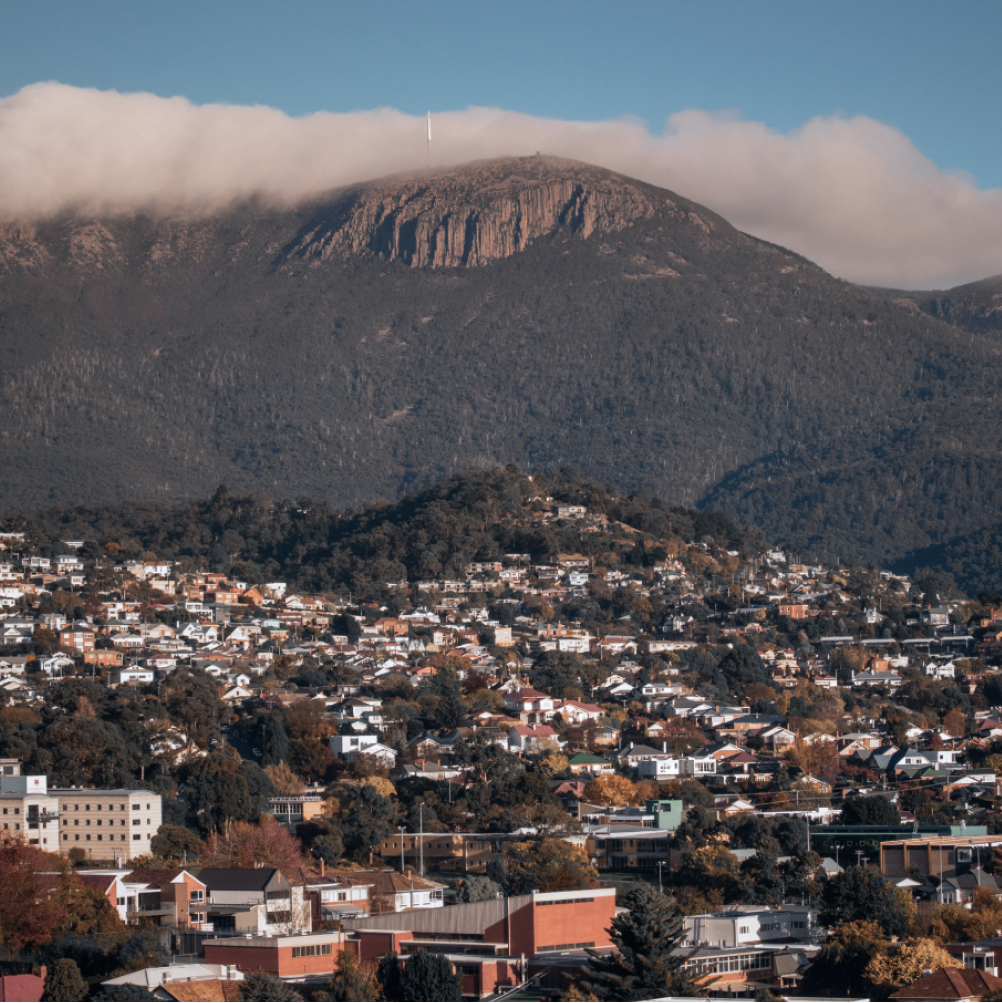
(853, 194)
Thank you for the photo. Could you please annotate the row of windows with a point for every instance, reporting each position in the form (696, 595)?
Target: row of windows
(732, 963)
(566, 902)
(567, 947)
(111, 821)
(111, 807)
(311, 950)
(76, 838)
(16, 825)
(15, 811)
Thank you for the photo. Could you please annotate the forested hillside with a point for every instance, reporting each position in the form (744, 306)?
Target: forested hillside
(366, 344)
(433, 533)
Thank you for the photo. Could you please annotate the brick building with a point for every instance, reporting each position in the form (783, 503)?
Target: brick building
(490, 943)
(293, 956)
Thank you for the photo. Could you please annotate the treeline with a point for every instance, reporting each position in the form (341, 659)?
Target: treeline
(431, 534)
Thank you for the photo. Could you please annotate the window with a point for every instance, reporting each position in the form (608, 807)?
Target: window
(135, 835)
(311, 950)
(198, 896)
(137, 807)
(137, 821)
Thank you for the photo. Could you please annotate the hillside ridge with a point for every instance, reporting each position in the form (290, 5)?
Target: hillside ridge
(527, 310)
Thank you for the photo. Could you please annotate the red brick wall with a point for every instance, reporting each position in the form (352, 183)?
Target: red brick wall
(571, 923)
(276, 960)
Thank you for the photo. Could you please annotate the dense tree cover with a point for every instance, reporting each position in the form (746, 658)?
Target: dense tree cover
(428, 976)
(63, 981)
(107, 955)
(547, 865)
(655, 355)
(432, 533)
(871, 810)
(841, 964)
(645, 964)
(861, 893)
(37, 915)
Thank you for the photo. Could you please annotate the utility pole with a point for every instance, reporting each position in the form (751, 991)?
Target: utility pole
(421, 838)
(402, 829)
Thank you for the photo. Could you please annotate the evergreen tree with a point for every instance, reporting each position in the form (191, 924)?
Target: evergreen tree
(388, 976)
(260, 986)
(644, 965)
(497, 874)
(63, 981)
(276, 744)
(429, 976)
(352, 982)
(860, 893)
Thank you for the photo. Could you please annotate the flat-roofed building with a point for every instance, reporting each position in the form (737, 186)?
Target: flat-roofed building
(107, 824)
(290, 956)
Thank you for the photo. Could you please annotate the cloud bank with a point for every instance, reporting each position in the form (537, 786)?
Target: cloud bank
(854, 195)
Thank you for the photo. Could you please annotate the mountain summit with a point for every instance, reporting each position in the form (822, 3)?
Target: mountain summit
(481, 212)
(527, 310)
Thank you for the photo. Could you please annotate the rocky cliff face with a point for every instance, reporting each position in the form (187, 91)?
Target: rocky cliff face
(478, 213)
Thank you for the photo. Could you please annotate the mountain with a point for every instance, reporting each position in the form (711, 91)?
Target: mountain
(975, 307)
(533, 310)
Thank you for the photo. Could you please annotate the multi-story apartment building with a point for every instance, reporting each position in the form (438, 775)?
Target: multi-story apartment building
(28, 809)
(107, 825)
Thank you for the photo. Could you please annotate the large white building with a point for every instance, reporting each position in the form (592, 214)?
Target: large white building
(103, 825)
(107, 825)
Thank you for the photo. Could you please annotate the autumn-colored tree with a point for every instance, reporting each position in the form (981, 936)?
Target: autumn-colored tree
(612, 790)
(253, 844)
(710, 868)
(547, 865)
(905, 962)
(818, 758)
(551, 763)
(283, 779)
(86, 910)
(840, 966)
(952, 924)
(955, 723)
(309, 733)
(28, 915)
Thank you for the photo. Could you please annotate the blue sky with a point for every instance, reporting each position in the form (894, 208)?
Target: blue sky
(927, 68)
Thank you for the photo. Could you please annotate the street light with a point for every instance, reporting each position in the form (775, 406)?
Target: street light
(402, 829)
(661, 864)
(838, 846)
